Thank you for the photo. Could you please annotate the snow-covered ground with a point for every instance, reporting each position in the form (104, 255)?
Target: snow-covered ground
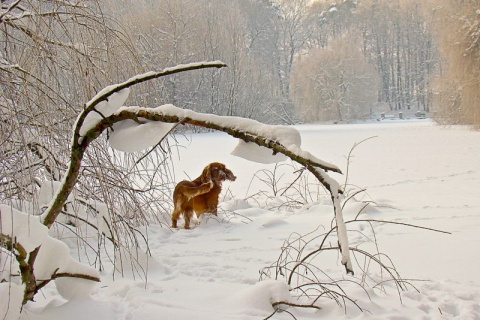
(414, 171)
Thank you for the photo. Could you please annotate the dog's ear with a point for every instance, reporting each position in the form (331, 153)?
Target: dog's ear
(207, 174)
(230, 175)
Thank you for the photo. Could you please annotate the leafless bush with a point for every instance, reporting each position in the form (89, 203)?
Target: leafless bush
(306, 262)
(287, 187)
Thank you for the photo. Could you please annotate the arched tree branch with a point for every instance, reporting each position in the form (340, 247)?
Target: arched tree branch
(79, 145)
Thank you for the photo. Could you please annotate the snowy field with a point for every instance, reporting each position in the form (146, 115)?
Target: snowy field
(414, 172)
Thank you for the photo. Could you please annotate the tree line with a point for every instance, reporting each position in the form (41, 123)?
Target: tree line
(289, 60)
(293, 61)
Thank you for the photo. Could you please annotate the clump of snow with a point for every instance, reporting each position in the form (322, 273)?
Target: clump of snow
(104, 221)
(260, 296)
(104, 108)
(130, 136)
(70, 288)
(114, 101)
(235, 204)
(253, 152)
(53, 256)
(23, 228)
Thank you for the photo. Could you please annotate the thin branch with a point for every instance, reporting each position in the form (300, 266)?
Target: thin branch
(400, 223)
(159, 142)
(291, 304)
(56, 275)
(349, 157)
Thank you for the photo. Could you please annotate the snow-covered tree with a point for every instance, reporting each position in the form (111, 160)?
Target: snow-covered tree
(336, 84)
(458, 88)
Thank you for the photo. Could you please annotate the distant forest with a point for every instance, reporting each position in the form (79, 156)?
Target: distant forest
(288, 61)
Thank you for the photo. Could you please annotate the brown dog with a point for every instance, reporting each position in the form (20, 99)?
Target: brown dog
(201, 194)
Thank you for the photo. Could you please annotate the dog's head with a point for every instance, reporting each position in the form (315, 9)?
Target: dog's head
(217, 172)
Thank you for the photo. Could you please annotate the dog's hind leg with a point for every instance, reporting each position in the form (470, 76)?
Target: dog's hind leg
(187, 216)
(175, 216)
(177, 210)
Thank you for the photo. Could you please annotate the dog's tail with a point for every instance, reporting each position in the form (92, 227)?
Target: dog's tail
(192, 192)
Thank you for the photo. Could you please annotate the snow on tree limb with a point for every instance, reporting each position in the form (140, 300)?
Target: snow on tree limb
(108, 91)
(101, 102)
(278, 138)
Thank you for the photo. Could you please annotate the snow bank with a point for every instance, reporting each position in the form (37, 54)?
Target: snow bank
(11, 300)
(260, 296)
(133, 263)
(210, 273)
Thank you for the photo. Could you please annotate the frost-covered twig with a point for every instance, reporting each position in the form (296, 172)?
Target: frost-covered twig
(291, 304)
(400, 223)
(10, 8)
(350, 156)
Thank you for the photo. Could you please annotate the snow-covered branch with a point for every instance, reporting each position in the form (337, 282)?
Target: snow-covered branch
(280, 139)
(108, 91)
(8, 9)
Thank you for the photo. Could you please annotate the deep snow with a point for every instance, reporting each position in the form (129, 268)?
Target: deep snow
(415, 171)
